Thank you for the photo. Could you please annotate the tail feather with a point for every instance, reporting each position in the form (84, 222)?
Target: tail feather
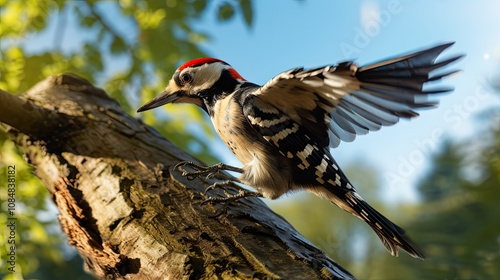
(391, 235)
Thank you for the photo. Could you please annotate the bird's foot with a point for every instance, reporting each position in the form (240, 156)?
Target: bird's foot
(207, 171)
(228, 197)
(212, 171)
(242, 193)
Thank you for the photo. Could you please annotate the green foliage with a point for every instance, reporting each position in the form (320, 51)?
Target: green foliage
(130, 48)
(158, 36)
(227, 10)
(446, 174)
(460, 230)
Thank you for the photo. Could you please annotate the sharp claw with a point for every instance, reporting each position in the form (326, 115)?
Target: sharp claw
(207, 171)
(228, 198)
(210, 172)
(209, 188)
(208, 200)
(180, 164)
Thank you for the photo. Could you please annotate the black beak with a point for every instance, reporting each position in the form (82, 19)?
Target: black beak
(162, 99)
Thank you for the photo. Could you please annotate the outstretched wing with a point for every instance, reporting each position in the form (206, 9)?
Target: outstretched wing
(337, 103)
(316, 170)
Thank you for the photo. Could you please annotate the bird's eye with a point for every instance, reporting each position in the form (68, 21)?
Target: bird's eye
(186, 78)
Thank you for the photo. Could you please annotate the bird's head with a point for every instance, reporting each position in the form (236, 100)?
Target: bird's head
(199, 81)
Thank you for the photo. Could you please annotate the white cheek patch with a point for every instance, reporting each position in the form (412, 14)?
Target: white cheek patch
(206, 76)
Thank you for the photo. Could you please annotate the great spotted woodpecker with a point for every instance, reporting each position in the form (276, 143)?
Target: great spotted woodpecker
(282, 131)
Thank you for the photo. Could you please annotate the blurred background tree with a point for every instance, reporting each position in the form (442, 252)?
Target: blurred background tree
(131, 48)
(459, 221)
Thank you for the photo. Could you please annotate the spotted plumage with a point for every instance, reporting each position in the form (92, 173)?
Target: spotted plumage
(282, 132)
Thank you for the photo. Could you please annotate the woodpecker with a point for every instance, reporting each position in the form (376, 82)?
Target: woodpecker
(282, 131)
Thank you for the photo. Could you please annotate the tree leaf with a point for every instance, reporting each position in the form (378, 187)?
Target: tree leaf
(225, 12)
(117, 46)
(247, 11)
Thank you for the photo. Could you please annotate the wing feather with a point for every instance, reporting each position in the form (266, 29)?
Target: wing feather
(336, 103)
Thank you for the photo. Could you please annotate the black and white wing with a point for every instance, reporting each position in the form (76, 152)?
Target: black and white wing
(339, 102)
(302, 113)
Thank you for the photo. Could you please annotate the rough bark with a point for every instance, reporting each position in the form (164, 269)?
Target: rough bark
(128, 213)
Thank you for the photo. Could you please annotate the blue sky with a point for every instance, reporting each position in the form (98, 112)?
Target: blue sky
(289, 34)
(309, 33)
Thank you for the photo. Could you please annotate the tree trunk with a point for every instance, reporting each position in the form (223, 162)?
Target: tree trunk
(128, 213)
